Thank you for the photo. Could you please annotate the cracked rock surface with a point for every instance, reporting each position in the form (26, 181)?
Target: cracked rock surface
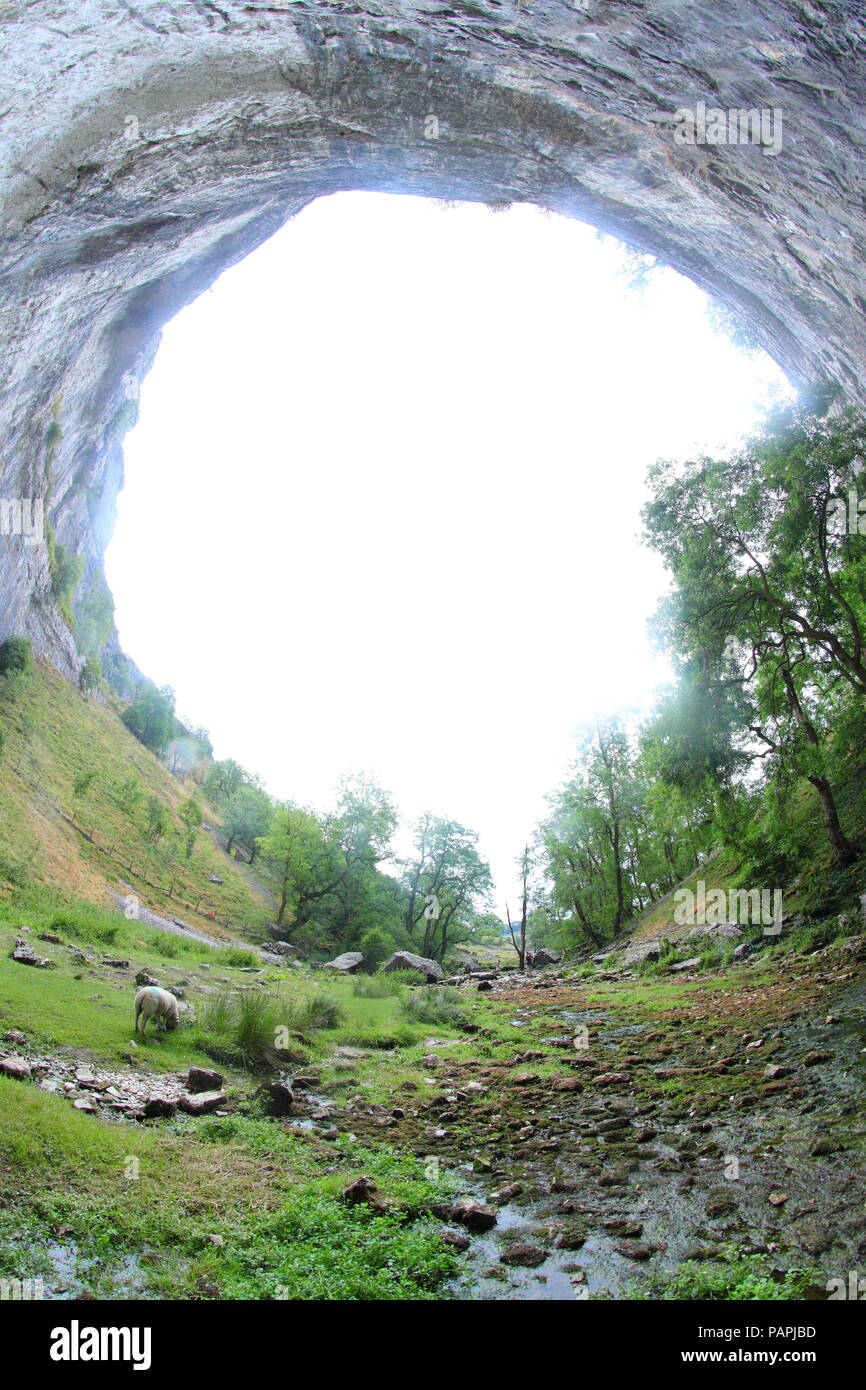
(146, 147)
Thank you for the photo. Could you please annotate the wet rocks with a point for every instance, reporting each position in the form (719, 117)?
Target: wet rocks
(473, 1214)
(720, 1204)
(823, 1145)
(523, 1254)
(282, 1097)
(636, 1249)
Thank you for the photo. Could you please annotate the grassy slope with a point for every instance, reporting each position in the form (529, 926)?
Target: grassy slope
(815, 879)
(269, 1195)
(55, 735)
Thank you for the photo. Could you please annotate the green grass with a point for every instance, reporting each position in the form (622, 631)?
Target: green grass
(158, 1198)
(436, 1006)
(57, 738)
(737, 1277)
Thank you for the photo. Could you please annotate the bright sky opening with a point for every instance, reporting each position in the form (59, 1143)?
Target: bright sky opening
(381, 508)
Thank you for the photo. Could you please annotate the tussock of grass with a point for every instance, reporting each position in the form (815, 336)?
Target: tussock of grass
(437, 1006)
(255, 1028)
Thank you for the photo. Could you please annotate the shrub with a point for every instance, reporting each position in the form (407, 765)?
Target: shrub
(375, 947)
(236, 956)
(15, 656)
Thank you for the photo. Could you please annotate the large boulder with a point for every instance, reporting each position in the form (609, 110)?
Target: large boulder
(544, 956)
(347, 963)
(407, 960)
(284, 948)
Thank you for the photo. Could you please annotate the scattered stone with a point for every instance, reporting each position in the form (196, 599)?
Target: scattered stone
(202, 1103)
(691, 964)
(201, 1079)
(25, 955)
(14, 1036)
(17, 1067)
(523, 1254)
(777, 1199)
(116, 964)
(144, 978)
(814, 1059)
(364, 1190)
(157, 1107)
(473, 1214)
(457, 1239)
(823, 1145)
(636, 1249)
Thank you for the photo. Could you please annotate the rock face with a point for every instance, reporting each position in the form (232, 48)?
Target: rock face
(145, 152)
(405, 960)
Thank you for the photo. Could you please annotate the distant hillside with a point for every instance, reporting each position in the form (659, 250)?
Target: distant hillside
(79, 811)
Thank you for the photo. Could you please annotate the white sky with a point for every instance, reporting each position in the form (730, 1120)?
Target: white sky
(382, 503)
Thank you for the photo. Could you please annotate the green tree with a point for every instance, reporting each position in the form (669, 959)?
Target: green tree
(770, 595)
(151, 717)
(190, 815)
(156, 818)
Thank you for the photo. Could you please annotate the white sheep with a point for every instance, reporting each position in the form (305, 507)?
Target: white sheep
(151, 1002)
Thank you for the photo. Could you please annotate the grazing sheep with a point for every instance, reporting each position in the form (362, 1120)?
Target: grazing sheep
(151, 1002)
